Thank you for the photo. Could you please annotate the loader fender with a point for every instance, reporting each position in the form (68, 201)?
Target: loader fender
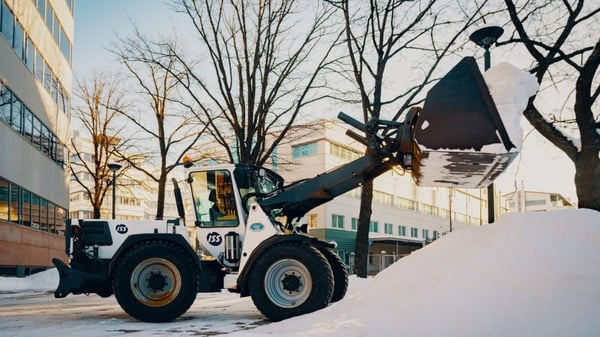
(242, 280)
(133, 240)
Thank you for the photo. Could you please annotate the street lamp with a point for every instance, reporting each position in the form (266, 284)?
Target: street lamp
(114, 167)
(485, 37)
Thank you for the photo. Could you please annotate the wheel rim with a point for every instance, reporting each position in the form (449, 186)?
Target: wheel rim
(155, 282)
(288, 283)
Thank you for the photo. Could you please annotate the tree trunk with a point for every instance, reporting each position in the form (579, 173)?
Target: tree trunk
(96, 214)
(587, 178)
(361, 246)
(160, 201)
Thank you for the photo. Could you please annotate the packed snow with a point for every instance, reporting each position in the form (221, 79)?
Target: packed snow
(510, 88)
(528, 274)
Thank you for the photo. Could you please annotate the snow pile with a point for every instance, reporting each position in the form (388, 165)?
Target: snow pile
(510, 88)
(533, 274)
(43, 281)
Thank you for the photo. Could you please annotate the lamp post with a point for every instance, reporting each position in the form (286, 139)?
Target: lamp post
(485, 37)
(114, 167)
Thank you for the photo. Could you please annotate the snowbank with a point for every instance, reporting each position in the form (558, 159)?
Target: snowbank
(42, 281)
(533, 274)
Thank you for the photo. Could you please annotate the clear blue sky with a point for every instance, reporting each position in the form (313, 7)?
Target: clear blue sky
(98, 22)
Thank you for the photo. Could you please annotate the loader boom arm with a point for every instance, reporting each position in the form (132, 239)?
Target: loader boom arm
(385, 141)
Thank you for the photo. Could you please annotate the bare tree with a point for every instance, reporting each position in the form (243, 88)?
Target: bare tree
(566, 44)
(161, 119)
(380, 37)
(99, 95)
(261, 68)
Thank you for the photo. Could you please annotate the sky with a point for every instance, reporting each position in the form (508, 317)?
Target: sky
(540, 167)
(528, 274)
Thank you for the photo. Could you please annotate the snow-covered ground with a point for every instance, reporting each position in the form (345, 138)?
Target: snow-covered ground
(532, 274)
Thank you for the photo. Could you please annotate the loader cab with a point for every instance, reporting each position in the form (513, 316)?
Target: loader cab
(217, 192)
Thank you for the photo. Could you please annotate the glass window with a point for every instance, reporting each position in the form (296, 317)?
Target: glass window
(15, 211)
(47, 77)
(43, 214)
(4, 199)
(60, 154)
(45, 143)
(374, 227)
(35, 211)
(41, 6)
(388, 228)
(49, 17)
(18, 40)
(414, 232)
(39, 66)
(5, 104)
(26, 208)
(54, 92)
(29, 54)
(70, 5)
(51, 218)
(337, 221)
(304, 150)
(65, 45)
(55, 28)
(15, 120)
(60, 220)
(37, 132)
(214, 199)
(28, 125)
(7, 23)
(425, 234)
(354, 223)
(402, 230)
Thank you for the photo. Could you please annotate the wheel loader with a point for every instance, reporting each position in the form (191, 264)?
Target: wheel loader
(248, 220)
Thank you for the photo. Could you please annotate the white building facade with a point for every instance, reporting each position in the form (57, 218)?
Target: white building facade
(35, 105)
(531, 201)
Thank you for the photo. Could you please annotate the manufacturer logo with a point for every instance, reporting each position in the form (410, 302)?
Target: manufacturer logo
(214, 238)
(121, 228)
(257, 227)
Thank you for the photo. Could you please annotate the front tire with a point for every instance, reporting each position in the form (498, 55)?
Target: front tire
(156, 282)
(340, 274)
(290, 279)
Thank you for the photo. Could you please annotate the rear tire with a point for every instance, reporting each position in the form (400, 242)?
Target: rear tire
(290, 279)
(340, 274)
(156, 282)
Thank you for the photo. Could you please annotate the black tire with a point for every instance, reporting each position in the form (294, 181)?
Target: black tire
(340, 274)
(290, 279)
(155, 281)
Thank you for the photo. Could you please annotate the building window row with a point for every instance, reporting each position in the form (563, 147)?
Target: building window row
(22, 44)
(22, 207)
(54, 26)
(374, 227)
(343, 152)
(16, 115)
(337, 221)
(304, 150)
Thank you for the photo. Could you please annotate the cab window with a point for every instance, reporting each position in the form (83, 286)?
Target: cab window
(214, 200)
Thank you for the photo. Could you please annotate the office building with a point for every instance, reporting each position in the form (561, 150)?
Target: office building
(35, 102)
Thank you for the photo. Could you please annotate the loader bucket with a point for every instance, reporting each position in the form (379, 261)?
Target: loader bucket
(460, 137)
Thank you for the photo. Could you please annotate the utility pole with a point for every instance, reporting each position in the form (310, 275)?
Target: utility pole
(485, 37)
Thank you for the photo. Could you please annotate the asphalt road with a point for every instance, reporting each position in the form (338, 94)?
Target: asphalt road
(30, 313)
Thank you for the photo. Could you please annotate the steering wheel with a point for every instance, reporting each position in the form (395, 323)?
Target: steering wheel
(257, 195)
